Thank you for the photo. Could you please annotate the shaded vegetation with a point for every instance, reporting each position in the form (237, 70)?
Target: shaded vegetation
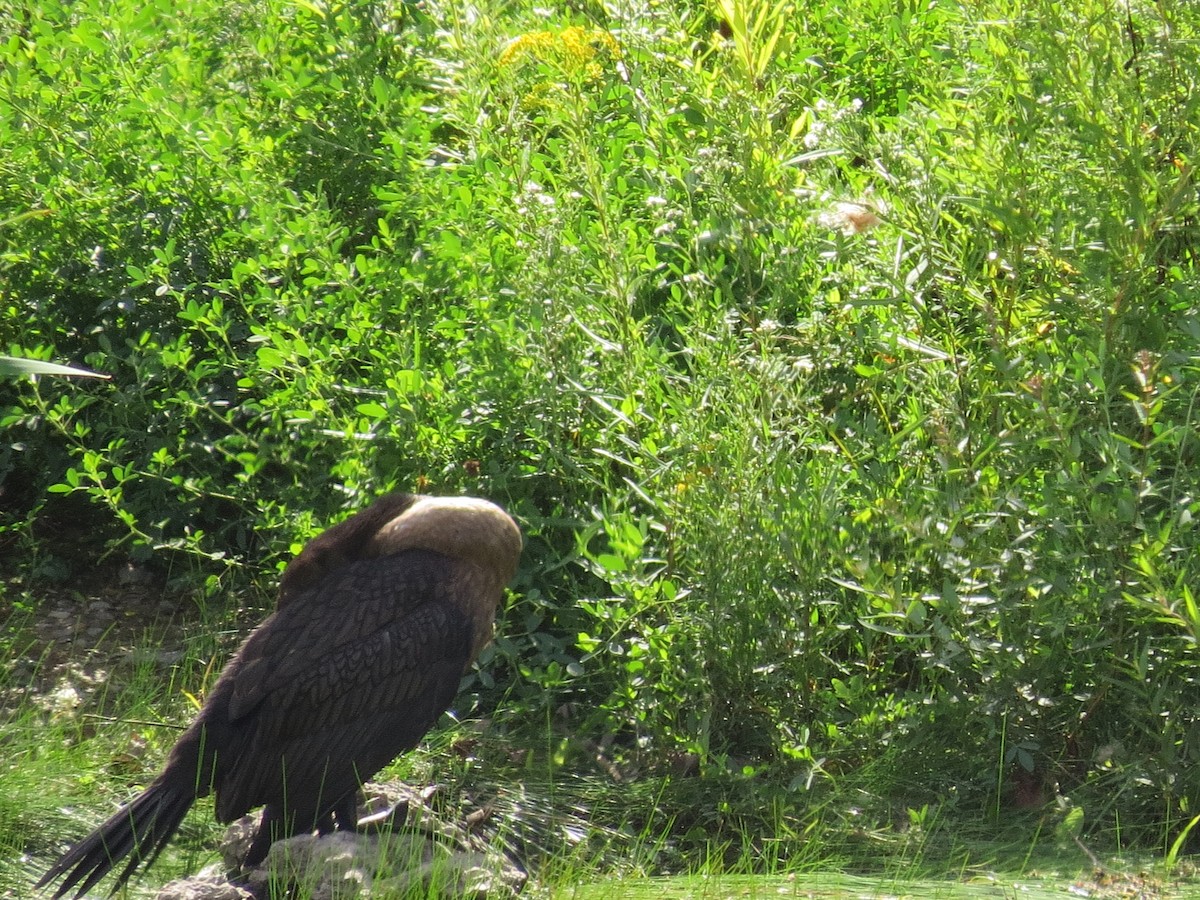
(839, 363)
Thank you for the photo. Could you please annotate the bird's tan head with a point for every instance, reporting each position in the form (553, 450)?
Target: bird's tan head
(462, 527)
(465, 528)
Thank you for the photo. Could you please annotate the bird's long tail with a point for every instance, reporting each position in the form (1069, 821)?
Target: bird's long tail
(138, 830)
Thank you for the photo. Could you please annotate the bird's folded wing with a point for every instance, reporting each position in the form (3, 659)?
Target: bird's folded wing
(350, 615)
(348, 713)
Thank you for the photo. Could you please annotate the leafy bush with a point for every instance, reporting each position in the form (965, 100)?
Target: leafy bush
(840, 374)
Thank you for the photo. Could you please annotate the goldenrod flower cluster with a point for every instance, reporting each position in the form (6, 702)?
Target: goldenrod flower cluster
(576, 52)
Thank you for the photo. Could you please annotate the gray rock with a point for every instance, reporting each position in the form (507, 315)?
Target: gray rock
(208, 885)
(426, 859)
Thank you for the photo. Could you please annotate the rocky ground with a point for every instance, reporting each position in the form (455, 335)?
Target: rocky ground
(69, 643)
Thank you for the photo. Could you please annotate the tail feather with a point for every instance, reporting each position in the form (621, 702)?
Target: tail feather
(140, 830)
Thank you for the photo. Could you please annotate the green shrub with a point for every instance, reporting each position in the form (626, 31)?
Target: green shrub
(840, 372)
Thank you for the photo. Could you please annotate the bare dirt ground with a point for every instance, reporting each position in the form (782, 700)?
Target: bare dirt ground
(67, 644)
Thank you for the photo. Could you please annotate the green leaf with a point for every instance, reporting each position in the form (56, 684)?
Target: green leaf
(372, 410)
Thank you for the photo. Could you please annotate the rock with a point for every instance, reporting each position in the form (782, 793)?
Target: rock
(428, 859)
(62, 702)
(339, 866)
(236, 842)
(208, 885)
(466, 874)
(158, 656)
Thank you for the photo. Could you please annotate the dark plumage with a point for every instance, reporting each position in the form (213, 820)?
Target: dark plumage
(376, 622)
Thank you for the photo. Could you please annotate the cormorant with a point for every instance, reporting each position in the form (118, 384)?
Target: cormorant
(377, 620)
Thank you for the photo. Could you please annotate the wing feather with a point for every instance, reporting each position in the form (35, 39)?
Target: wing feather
(392, 647)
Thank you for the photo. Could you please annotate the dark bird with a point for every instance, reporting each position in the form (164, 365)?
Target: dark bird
(376, 622)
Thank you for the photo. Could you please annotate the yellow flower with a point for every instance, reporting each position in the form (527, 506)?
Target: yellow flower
(576, 52)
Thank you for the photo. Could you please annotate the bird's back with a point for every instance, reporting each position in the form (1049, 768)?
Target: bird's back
(352, 672)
